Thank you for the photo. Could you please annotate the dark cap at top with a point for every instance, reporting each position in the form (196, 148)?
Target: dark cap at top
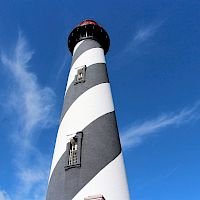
(89, 29)
(88, 21)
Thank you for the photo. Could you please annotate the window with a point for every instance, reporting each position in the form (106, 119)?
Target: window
(95, 197)
(73, 159)
(80, 77)
(74, 151)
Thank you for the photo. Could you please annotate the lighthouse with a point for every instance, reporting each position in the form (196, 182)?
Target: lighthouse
(87, 161)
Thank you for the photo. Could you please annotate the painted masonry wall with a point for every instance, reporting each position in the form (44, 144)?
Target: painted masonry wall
(88, 107)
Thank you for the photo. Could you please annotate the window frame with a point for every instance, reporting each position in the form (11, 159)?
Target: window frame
(81, 70)
(78, 137)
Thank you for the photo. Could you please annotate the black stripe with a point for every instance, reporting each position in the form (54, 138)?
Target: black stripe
(100, 146)
(84, 46)
(95, 74)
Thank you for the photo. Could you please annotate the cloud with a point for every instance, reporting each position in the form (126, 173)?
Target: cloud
(4, 195)
(137, 41)
(33, 108)
(142, 35)
(28, 98)
(136, 133)
(33, 180)
(62, 67)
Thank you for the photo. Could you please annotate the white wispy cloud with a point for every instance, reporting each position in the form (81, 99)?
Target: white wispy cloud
(4, 195)
(33, 180)
(135, 134)
(138, 40)
(32, 109)
(28, 98)
(142, 35)
(62, 67)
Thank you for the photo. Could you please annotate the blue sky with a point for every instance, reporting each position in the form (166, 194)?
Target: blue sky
(154, 68)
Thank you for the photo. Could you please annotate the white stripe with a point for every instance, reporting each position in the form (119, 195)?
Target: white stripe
(89, 57)
(92, 104)
(77, 45)
(110, 182)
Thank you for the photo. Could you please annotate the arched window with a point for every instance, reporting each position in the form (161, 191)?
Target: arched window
(74, 151)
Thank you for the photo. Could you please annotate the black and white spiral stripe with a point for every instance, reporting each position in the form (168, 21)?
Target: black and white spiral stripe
(88, 107)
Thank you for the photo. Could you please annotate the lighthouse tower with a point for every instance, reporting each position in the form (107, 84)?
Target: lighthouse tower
(87, 162)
